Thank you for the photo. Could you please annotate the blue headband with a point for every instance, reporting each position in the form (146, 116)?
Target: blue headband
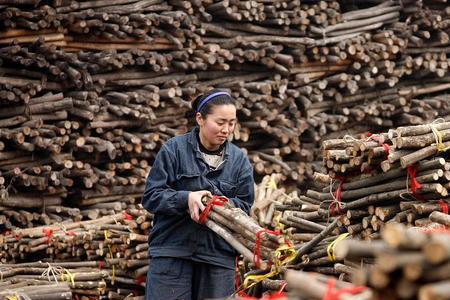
(204, 101)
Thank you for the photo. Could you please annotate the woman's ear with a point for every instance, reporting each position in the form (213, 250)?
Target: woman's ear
(199, 119)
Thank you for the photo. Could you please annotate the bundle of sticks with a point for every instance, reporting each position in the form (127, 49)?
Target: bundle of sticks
(112, 249)
(399, 176)
(12, 289)
(408, 263)
(310, 286)
(291, 105)
(259, 246)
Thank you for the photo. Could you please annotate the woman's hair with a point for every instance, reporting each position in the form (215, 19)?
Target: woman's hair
(205, 102)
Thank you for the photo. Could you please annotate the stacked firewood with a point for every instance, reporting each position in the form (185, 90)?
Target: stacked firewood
(309, 286)
(311, 234)
(317, 286)
(408, 263)
(320, 60)
(12, 289)
(108, 255)
(93, 88)
(398, 176)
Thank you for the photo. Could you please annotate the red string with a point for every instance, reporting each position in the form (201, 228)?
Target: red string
(444, 206)
(127, 216)
(100, 265)
(48, 233)
(415, 185)
(140, 279)
(215, 200)
(70, 233)
(334, 294)
(257, 247)
(377, 139)
(337, 196)
(386, 148)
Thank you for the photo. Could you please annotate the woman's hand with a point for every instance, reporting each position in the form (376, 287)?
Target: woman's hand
(195, 203)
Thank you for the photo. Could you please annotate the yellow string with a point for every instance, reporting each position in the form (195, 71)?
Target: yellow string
(68, 276)
(278, 225)
(12, 297)
(272, 184)
(438, 137)
(251, 280)
(287, 251)
(113, 277)
(332, 246)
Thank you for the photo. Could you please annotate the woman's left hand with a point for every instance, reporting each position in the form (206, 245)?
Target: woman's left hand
(195, 203)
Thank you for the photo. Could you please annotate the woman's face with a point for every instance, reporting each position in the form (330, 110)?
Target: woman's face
(217, 126)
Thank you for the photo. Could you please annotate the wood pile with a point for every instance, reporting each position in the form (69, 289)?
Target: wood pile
(31, 290)
(398, 176)
(90, 90)
(405, 264)
(105, 256)
(409, 263)
(299, 71)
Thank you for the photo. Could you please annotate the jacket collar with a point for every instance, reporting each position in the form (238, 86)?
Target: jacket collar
(192, 139)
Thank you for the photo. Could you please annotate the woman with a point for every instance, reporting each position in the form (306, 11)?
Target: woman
(188, 260)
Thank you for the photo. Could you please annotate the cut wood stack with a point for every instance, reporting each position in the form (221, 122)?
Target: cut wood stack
(92, 89)
(105, 256)
(309, 286)
(409, 263)
(12, 289)
(398, 176)
(299, 219)
(322, 57)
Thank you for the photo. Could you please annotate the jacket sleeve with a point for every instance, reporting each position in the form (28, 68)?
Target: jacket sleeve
(246, 189)
(159, 196)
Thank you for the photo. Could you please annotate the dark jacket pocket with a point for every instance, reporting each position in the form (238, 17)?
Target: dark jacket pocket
(188, 182)
(228, 189)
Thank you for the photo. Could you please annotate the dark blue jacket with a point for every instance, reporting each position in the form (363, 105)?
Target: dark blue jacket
(179, 169)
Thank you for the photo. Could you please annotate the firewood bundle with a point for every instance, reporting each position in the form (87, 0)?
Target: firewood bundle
(114, 249)
(312, 234)
(12, 289)
(317, 286)
(408, 263)
(310, 286)
(322, 57)
(398, 176)
(260, 247)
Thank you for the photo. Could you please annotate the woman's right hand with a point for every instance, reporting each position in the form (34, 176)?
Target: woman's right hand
(195, 203)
